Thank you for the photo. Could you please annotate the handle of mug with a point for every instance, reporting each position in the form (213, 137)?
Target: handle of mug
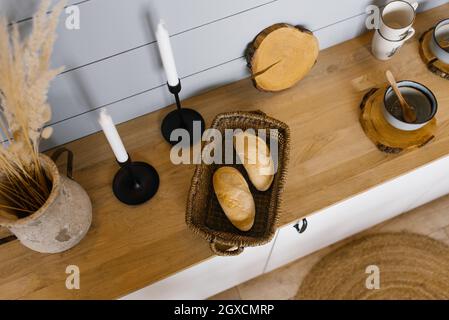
(410, 34)
(415, 5)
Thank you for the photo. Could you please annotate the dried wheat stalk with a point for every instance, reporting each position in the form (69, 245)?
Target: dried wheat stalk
(25, 75)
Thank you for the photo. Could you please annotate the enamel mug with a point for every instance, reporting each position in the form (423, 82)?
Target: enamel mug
(384, 49)
(417, 95)
(396, 19)
(440, 41)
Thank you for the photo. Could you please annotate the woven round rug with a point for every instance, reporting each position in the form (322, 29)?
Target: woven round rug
(381, 266)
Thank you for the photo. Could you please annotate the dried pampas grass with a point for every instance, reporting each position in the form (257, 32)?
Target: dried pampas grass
(25, 75)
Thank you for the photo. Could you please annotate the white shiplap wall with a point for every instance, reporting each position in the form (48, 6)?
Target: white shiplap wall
(112, 61)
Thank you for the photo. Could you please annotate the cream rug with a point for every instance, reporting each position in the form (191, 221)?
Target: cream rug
(381, 266)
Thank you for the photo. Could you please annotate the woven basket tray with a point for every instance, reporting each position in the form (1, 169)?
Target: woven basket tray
(204, 214)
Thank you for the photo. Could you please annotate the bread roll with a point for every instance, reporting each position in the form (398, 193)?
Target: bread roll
(256, 158)
(234, 197)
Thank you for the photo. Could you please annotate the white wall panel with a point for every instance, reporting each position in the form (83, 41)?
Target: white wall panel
(110, 27)
(113, 60)
(143, 103)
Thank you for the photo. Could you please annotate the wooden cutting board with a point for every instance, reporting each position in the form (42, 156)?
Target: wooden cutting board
(280, 56)
(386, 137)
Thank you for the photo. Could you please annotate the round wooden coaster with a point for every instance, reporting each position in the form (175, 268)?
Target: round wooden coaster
(433, 64)
(386, 137)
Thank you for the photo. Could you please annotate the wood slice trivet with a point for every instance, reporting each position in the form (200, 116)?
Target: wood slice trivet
(386, 137)
(280, 56)
(433, 64)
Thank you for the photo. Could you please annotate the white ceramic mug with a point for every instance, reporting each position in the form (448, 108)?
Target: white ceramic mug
(396, 19)
(384, 49)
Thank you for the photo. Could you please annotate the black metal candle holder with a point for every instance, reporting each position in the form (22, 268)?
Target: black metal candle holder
(135, 182)
(181, 118)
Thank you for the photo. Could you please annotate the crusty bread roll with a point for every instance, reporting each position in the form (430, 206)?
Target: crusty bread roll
(256, 158)
(235, 197)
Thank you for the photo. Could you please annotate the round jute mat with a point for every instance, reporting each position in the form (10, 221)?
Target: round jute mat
(408, 266)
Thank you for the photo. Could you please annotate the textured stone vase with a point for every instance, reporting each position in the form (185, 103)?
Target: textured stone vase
(62, 221)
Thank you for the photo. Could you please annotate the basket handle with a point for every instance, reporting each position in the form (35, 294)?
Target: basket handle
(260, 112)
(224, 252)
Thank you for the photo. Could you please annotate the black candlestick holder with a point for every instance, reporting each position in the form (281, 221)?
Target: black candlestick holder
(135, 182)
(181, 118)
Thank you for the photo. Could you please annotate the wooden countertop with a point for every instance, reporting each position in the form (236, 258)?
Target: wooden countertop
(128, 248)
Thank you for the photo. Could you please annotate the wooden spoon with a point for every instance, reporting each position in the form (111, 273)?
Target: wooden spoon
(408, 111)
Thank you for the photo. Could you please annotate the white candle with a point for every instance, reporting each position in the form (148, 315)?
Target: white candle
(110, 131)
(163, 42)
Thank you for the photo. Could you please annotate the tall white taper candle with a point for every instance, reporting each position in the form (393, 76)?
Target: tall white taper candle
(110, 131)
(163, 42)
